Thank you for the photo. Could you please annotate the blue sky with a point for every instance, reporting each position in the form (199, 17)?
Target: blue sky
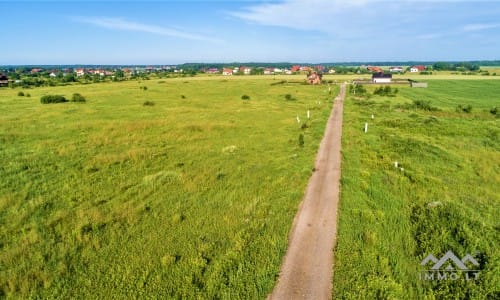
(308, 31)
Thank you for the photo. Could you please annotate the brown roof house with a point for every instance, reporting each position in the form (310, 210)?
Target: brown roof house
(314, 78)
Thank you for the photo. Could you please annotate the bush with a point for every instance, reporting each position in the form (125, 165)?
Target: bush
(357, 89)
(245, 97)
(385, 91)
(77, 98)
(301, 140)
(494, 111)
(52, 99)
(289, 97)
(20, 94)
(148, 103)
(183, 97)
(424, 105)
(465, 109)
(28, 95)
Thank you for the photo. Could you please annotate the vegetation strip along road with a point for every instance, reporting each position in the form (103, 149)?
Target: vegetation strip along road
(306, 271)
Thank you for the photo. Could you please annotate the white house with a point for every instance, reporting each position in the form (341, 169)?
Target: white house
(80, 72)
(381, 78)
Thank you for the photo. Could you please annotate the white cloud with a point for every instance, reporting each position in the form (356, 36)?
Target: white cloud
(304, 15)
(480, 26)
(121, 24)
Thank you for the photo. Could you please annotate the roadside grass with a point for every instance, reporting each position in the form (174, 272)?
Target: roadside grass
(190, 198)
(444, 194)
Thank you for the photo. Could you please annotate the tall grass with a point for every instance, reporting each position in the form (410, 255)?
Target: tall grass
(444, 194)
(191, 198)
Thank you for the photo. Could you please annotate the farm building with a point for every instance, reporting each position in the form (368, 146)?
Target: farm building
(4, 80)
(381, 78)
(415, 84)
(314, 78)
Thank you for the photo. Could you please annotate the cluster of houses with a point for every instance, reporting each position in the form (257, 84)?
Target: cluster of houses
(314, 73)
(243, 70)
(104, 71)
(379, 76)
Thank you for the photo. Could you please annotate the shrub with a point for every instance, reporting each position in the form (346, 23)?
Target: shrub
(77, 98)
(357, 89)
(148, 103)
(20, 94)
(465, 109)
(183, 97)
(28, 95)
(245, 97)
(422, 104)
(301, 140)
(494, 111)
(52, 99)
(289, 97)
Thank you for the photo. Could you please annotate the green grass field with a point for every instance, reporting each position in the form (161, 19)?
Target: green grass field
(445, 198)
(191, 196)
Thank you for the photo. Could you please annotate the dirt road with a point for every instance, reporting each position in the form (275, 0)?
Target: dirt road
(307, 268)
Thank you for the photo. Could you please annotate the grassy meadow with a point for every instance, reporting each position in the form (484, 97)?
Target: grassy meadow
(444, 194)
(181, 189)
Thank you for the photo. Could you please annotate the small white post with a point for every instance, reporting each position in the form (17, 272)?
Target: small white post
(396, 164)
(373, 117)
(366, 127)
(298, 120)
(308, 114)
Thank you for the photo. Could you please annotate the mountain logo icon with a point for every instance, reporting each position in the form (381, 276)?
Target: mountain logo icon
(449, 262)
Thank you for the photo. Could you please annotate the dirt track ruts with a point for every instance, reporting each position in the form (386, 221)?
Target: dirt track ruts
(307, 268)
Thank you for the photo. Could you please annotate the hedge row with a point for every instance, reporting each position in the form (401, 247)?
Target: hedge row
(60, 99)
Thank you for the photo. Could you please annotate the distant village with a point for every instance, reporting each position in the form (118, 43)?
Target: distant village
(55, 75)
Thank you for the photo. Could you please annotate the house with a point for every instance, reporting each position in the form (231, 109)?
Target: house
(80, 72)
(245, 70)
(36, 70)
(374, 69)
(4, 80)
(331, 71)
(306, 69)
(416, 69)
(396, 69)
(53, 75)
(227, 72)
(314, 78)
(268, 71)
(381, 78)
(288, 71)
(212, 71)
(295, 68)
(319, 68)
